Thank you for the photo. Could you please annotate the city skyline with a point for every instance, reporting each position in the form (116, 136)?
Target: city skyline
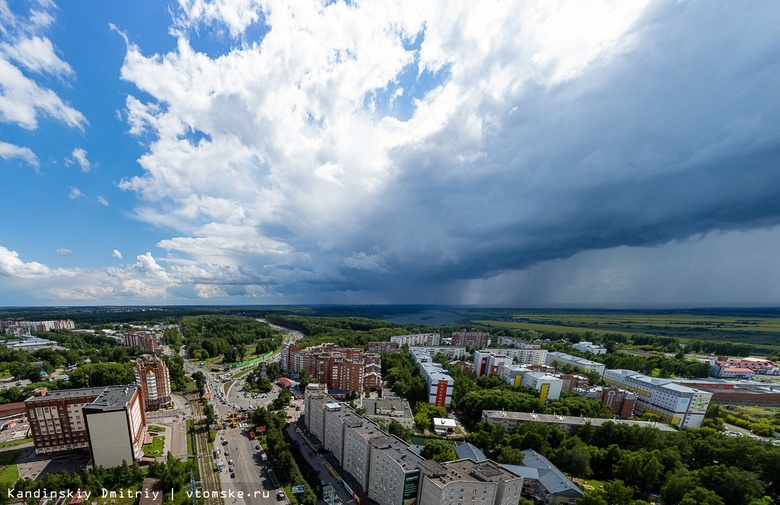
(512, 154)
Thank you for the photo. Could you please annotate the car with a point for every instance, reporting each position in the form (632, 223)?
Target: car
(289, 417)
(230, 462)
(258, 447)
(230, 469)
(227, 453)
(233, 475)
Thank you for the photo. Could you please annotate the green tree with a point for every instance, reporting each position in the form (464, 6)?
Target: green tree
(617, 493)
(439, 450)
(701, 496)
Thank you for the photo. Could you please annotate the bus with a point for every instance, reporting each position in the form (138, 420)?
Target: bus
(272, 476)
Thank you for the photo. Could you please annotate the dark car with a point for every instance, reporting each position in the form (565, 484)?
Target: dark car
(233, 475)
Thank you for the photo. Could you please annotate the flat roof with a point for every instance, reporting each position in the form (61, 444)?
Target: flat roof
(112, 398)
(65, 393)
(467, 470)
(569, 420)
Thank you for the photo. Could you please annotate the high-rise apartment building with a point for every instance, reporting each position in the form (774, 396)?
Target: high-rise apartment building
(151, 374)
(417, 339)
(469, 482)
(146, 341)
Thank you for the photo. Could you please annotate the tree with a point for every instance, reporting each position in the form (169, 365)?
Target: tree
(200, 382)
(617, 493)
(439, 450)
(701, 496)
(208, 412)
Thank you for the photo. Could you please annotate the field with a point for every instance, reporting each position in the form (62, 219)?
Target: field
(9, 473)
(762, 330)
(155, 448)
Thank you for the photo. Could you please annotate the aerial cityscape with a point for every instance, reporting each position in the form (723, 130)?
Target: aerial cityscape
(389, 253)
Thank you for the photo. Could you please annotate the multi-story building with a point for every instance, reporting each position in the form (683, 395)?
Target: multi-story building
(571, 381)
(418, 339)
(727, 367)
(620, 401)
(516, 342)
(580, 363)
(388, 347)
(549, 387)
(394, 476)
(445, 350)
(116, 423)
(488, 362)
(680, 405)
(589, 347)
(151, 374)
(56, 419)
(146, 341)
(437, 380)
(30, 326)
(109, 421)
(339, 368)
(473, 339)
(386, 410)
(511, 420)
(469, 482)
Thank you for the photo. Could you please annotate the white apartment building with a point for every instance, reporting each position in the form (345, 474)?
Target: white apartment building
(438, 381)
(548, 386)
(465, 482)
(513, 374)
(418, 339)
(516, 342)
(487, 362)
(679, 405)
(432, 351)
(579, 363)
(394, 478)
(589, 347)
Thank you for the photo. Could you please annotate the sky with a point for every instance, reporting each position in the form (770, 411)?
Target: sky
(522, 154)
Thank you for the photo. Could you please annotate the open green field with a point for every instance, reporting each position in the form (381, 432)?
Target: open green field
(155, 448)
(760, 330)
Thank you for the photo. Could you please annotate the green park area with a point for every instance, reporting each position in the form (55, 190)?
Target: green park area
(9, 473)
(155, 449)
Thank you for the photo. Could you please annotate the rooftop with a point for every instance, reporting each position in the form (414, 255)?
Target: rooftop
(112, 398)
(568, 420)
(66, 393)
(471, 471)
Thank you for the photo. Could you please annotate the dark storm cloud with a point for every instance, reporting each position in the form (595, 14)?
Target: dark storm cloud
(677, 136)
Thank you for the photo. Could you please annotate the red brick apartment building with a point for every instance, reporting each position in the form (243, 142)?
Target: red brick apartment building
(473, 339)
(346, 369)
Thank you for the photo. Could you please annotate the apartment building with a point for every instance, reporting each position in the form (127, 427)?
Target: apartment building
(444, 350)
(549, 387)
(417, 339)
(576, 362)
(388, 347)
(589, 347)
(488, 362)
(30, 326)
(339, 368)
(677, 404)
(516, 342)
(511, 420)
(394, 478)
(57, 422)
(116, 423)
(466, 482)
(151, 374)
(473, 339)
(437, 380)
(147, 341)
(109, 421)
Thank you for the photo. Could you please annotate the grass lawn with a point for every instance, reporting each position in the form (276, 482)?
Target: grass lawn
(598, 485)
(155, 448)
(154, 427)
(14, 443)
(9, 473)
(191, 443)
(242, 373)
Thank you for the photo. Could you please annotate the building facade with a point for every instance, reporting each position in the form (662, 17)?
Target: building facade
(146, 341)
(466, 481)
(418, 339)
(583, 364)
(473, 339)
(589, 347)
(339, 368)
(151, 375)
(116, 423)
(437, 380)
(677, 404)
(70, 419)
